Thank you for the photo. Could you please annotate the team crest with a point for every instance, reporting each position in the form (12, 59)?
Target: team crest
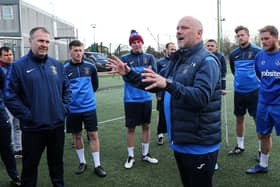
(262, 62)
(145, 61)
(53, 69)
(277, 62)
(86, 71)
(250, 55)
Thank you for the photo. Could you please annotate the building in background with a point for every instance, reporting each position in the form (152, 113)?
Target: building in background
(17, 18)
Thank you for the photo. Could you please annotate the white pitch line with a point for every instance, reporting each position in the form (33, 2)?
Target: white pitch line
(115, 119)
(110, 120)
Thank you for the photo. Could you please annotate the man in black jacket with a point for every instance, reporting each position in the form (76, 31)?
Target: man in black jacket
(192, 102)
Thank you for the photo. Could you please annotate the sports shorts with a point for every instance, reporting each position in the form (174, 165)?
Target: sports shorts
(75, 122)
(268, 116)
(137, 113)
(246, 101)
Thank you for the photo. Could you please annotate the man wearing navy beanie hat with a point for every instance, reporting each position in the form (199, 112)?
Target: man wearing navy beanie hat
(137, 103)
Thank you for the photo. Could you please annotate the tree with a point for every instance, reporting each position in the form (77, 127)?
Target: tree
(152, 51)
(227, 46)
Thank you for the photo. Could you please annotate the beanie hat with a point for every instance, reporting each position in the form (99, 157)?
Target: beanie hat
(135, 36)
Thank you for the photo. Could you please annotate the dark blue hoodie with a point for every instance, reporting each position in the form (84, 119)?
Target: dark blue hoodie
(3, 114)
(37, 92)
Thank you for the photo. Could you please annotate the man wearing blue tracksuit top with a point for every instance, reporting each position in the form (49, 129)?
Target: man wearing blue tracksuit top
(6, 60)
(6, 151)
(83, 84)
(137, 103)
(192, 102)
(38, 95)
(246, 84)
(162, 64)
(211, 45)
(267, 66)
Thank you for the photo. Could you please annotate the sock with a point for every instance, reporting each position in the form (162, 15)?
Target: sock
(240, 142)
(260, 145)
(160, 135)
(96, 158)
(264, 160)
(145, 149)
(130, 151)
(81, 155)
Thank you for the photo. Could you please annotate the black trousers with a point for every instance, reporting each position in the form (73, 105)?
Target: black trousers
(161, 128)
(6, 151)
(196, 170)
(33, 144)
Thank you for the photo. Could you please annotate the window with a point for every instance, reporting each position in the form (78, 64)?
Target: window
(8, 13)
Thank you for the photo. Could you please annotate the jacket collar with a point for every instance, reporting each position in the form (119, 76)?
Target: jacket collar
(245, 48)
(36, 58)
(2, 64)
(186, 52)
(133, 53)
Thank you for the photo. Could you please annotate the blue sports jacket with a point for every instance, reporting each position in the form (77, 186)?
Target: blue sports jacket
(162, 63)
(195, 103)
(161, 68)
(37, 92)
(137, 62)
(242, 66)
(223, 63)
(83, 84)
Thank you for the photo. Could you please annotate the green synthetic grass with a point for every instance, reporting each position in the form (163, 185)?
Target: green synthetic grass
(112, 136)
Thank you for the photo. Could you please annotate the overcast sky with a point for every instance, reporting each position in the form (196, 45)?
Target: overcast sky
(151, 18)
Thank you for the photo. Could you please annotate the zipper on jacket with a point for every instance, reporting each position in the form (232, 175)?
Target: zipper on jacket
(78, 70)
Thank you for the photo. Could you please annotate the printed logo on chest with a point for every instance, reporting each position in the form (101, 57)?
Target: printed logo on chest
(53, 69)
(145, 61)
(277, 62)
(250, 55)
(87, 70)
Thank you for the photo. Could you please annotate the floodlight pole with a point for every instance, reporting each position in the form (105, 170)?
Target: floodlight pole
(93, 26)
(219, 42)
(219, 24)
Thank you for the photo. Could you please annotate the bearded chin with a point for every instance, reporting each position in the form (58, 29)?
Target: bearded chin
(272, 48)
(41, 56)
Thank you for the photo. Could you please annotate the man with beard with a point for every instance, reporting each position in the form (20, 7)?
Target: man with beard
(267, 66)
(170, 48)
(246, 84)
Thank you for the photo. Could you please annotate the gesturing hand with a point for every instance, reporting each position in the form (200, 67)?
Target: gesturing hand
(117, 66)
(154, 78)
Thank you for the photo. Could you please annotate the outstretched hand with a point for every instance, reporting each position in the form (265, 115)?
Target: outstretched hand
(155, 79)
(117, 66)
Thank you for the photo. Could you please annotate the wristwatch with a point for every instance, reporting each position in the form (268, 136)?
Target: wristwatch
(168, 83)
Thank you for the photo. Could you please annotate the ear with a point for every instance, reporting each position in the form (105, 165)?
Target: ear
(200, 32)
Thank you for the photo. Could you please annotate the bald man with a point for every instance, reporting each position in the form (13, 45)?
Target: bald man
(192, 102)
